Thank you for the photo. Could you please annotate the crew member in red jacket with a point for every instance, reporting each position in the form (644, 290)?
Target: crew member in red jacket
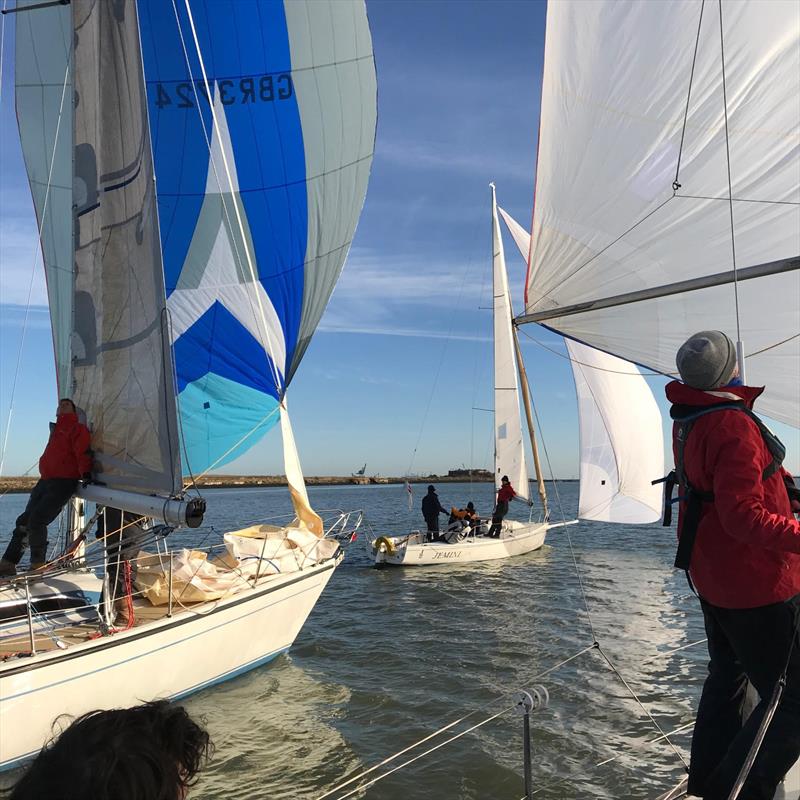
(742, 552)
(66, 460)
(505, 494)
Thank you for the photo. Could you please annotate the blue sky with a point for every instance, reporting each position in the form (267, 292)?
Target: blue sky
(403, 354)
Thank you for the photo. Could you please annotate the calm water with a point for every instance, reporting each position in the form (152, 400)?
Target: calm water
(389, 656)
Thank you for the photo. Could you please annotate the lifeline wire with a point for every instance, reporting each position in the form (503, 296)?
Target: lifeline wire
(585, 600)
(450, 725)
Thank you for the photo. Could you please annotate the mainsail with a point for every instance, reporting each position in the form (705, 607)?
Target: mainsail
(621, 442)
(659, 173)
(263, 118)
(112, 347)
(509, 446)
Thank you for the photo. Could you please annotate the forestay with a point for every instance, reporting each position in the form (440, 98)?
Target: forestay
(509, 454)
(607, 219)
(263, 141)
(621, 438)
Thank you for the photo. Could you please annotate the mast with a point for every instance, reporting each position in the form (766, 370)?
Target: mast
(526, 399)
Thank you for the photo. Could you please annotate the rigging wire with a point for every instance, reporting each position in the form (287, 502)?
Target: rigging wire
(572, 360)
(596, 643)
(37, 251)
(676, 184)
(2, 45)
(728, 163)
(452, 724)
(730, 187)
(229, 176)
(453, 317)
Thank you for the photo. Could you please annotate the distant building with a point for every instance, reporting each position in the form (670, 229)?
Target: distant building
(474, 474)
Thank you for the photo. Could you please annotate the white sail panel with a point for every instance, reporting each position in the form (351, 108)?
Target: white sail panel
(44, 116)
(621, 439)
(509, 447)
(607, 220)
(122, 363)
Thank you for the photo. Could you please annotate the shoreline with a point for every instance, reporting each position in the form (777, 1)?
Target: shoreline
(22, 484)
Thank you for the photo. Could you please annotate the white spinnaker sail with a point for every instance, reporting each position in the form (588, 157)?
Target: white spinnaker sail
(509, 447)
(621, 441)
(607, 220)
(622, 446)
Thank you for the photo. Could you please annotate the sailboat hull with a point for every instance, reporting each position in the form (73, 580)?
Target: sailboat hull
(517, 539)
(169, 658)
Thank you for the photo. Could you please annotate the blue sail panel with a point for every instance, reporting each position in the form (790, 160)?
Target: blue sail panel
(263, 118)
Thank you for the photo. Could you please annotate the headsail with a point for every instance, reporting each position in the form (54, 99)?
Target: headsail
(622, 445)
(607, 220)
(107, 308)
(621, 441)
(263, 118)
(509, 446)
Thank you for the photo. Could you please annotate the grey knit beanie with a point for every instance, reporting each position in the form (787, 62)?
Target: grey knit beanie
(707, 360)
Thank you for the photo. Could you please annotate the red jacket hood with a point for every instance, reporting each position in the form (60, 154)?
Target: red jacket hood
(681, 393)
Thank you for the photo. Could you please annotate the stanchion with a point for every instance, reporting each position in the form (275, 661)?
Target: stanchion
(527, 702)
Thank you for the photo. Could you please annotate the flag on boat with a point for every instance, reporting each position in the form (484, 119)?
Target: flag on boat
(410, 496)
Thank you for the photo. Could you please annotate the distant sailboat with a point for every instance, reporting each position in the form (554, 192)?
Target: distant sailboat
(197, 172)
(517, 538)
(667, 197)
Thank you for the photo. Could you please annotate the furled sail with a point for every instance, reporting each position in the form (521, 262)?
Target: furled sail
(509, 446)
(43, 97)
(621, 441)
(263, 118)
(634, 227)
(83, 123)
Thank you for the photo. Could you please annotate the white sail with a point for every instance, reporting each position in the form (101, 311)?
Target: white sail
(509, 447)
(621, 442)
(622, 446)
(607, 221)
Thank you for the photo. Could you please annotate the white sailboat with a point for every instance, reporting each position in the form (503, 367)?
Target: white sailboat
(516, 538)
(196, 194)
(667, 195)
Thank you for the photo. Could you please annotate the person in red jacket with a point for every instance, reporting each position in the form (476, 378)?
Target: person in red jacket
(505, 494)
(740, 543)
(66, 460)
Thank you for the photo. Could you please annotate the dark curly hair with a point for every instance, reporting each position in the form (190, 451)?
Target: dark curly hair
(149, 752)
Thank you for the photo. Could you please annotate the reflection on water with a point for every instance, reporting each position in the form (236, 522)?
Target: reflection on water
(388, 656)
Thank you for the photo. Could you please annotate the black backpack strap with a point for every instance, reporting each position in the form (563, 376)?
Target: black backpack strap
(693, 497)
